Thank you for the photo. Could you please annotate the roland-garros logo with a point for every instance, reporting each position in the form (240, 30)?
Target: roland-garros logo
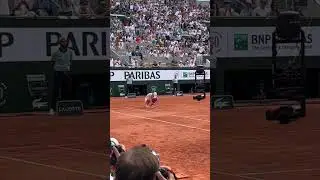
(70, 107)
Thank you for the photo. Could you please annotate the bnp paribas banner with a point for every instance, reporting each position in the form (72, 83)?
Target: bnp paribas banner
(257, 42)
(155, 75)
(38, 44)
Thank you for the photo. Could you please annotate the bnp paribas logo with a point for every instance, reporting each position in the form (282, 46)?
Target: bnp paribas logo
(240, 42)
(185, 74)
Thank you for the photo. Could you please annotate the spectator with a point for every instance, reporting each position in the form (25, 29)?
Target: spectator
(86, 11)
(262, 9)
(247, 10)
(139, 163)
(28, 2)
(227, 10)
(79, 8)
(23, 9)
(155, 64)
(45, 7)
(4, 7)
(66, 8)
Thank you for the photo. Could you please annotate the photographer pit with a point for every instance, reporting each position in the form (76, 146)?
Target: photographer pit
(138, 163)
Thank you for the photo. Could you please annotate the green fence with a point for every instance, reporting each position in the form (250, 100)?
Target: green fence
(119, 88)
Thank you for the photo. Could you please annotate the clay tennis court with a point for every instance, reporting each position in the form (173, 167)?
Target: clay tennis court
(247, 147)
(178, 129)
(42, 147)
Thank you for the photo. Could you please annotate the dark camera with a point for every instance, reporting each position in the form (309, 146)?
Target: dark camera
(199, 97)
(113, 157)
(166, 173)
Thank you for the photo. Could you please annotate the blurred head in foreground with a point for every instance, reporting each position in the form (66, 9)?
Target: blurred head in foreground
(137, 164)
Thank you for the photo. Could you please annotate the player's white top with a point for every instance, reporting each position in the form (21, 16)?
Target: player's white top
(150, 95)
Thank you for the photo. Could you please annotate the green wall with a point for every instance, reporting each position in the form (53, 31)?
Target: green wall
(161, 86)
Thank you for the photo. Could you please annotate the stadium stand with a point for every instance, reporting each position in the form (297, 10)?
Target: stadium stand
(150, 33)
(264, 7)
(71, 8)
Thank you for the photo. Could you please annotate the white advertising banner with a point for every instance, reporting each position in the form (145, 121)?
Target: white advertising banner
(152, 75)
(257, 42)
(38, 44)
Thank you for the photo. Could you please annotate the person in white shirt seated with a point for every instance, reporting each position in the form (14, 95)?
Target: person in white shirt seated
(262, 9)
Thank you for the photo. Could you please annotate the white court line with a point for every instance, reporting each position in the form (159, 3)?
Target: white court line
(162, 121)
(52, 167)
(60, 146)
(282, 171)
(33, 146)
(77, 150)
(235, 175)
(173, 114)
(188, 117)
(185, 105)
(201, 115)
(20, 147)
(189, 109)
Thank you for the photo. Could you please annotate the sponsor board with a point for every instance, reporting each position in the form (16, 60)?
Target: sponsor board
(86, 43)
(222, 102)
(132, 95)
(151, 75)
(257, 42)
(3, 94)
(69, 108)
(191, 75)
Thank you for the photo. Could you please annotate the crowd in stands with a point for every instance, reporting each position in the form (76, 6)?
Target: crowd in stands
(158, 33)
(73, 8)
(262, 8)
(242, 8)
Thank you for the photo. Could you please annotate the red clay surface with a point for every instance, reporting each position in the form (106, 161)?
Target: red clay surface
(51, 147)
(178, 129)
(248, 147)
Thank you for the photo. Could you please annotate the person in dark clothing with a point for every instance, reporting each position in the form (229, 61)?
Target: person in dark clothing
(175, 85)
(129, 85)
(61, 64)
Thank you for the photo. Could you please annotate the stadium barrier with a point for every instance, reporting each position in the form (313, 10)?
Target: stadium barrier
(69, 108)
(149, 80)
